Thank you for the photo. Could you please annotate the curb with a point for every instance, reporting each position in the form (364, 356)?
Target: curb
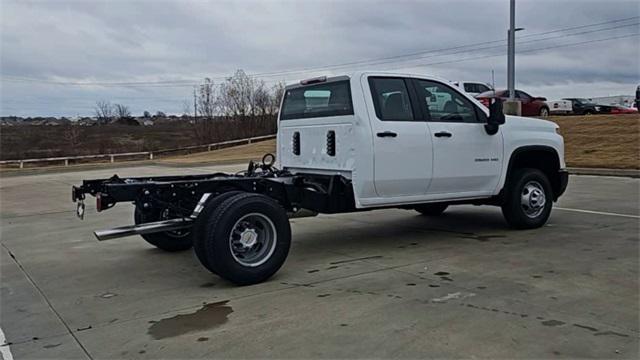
(632, 173)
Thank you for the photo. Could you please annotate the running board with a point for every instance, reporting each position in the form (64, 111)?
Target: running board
(146, 228)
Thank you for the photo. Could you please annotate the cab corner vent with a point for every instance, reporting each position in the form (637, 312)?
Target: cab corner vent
(296, 143)
(331, 143)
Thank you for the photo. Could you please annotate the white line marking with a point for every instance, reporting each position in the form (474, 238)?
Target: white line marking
(599, 212)
(5, 350)
(452, 296)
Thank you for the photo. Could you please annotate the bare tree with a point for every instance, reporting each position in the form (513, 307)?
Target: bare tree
(261, 99)
(121, 111)
(206, 100)
(104, 112)
(236, 95)
(277, 92)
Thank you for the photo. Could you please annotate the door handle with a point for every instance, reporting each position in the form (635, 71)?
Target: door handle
(442, 134)
(387, 134)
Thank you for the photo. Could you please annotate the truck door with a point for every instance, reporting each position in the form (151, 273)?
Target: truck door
(401, 143)
(467, 161)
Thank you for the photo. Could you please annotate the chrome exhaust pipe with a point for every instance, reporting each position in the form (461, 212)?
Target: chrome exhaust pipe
(146, 228)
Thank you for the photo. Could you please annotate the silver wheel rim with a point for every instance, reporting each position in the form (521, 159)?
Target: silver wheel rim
(252, 240)
(544, 112)
(533, 199)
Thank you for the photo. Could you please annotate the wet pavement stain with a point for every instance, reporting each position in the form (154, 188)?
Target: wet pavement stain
(433, 285)
(611, 333)
(49, 346)
(312, 271)
(356, 259)
(585, 327)
(201, 339)
(553, 323)
(483, 238)
(208, 285)
(324, 295)
(207, 317)
(441, 273)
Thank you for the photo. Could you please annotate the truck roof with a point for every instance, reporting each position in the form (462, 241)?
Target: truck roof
(358, 74)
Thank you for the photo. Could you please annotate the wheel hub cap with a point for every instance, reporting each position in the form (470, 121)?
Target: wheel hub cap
(253, 239)
(533, 199)
(248, 238)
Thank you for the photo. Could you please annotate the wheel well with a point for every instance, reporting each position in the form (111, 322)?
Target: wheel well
(542, 158)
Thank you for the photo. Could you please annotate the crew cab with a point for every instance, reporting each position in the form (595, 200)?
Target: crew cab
(353, 143)
(531, 105)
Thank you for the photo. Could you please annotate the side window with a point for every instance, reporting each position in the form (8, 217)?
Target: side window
(522, 95)
(482, 88)
(444, 104)
(470, 88)
(391, 99)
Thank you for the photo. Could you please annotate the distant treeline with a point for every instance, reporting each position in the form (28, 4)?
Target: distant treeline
(40, 141)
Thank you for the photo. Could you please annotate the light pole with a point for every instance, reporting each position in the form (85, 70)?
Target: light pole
(512, 106)
(511, 59)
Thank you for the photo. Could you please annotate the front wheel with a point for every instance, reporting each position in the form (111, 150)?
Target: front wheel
(171, 241)
(528, 200)
(246, 239)
(544, 112)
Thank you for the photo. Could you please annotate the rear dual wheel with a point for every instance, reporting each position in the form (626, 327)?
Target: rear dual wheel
(171, 241)
(243, 237)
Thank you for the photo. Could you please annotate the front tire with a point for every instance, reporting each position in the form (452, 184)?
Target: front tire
(431, 209)
(246, 239)
(529, 199)
(171, 241)
(544, 112)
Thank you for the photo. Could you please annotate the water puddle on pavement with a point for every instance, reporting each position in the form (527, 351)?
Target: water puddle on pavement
(207, 317)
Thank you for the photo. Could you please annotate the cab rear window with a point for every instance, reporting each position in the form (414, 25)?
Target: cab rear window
(321, 100)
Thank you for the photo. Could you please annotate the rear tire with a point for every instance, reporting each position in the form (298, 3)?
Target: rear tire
(171, 241)
(199, 228)
(246, 238)
(544, 112)
(431, 209)
(529, 199)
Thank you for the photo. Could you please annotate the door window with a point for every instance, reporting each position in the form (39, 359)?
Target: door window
(391, 99)
(443, 104)
(523, 96)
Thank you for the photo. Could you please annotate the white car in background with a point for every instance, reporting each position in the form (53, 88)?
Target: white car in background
(473, 88)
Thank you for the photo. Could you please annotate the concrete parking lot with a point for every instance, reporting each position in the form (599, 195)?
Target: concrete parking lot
(383, 284)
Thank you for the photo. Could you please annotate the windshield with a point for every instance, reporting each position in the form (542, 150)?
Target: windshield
(321, 100)
(585, 101)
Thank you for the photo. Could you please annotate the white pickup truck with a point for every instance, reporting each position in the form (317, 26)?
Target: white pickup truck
(361, 142)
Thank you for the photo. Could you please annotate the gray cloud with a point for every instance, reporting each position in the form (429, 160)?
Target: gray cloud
(151, 41)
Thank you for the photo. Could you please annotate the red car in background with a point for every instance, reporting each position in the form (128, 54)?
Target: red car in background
(531, 106)
(617, 109)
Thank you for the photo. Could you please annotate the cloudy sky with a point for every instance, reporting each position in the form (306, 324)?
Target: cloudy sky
(59, 57)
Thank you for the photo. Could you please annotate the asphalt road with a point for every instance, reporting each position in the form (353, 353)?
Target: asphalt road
(386, 284)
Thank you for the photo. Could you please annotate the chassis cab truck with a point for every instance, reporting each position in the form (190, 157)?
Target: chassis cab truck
(349, 143)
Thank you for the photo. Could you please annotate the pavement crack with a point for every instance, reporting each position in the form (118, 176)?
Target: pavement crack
(44, 297)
